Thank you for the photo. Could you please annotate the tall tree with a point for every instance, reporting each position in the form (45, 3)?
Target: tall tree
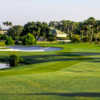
(97, 29)
(7, 23)
(91, 22)
(37, 29)
(15, 32)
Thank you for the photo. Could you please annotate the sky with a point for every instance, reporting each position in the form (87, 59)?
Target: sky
(23, 11)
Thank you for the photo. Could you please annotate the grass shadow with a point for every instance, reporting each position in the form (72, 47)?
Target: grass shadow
(63, 56)
(82, 94)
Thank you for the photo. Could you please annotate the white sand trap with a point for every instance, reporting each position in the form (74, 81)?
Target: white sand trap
(4, 66)
(31, 49)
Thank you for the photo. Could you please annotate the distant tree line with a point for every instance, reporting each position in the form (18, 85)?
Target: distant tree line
(31, 30)
(86, 31)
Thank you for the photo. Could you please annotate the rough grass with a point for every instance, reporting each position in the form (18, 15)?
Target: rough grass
(70, 74)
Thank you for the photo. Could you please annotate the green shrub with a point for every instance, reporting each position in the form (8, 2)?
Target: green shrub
(2, 43)
(9, 41)
(18, 42)
(29, 39)
(3, 36)
(51, 38)
(14, 60)
(85, 39)
(75, 38)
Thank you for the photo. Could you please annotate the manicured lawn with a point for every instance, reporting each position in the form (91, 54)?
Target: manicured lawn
(70, 74)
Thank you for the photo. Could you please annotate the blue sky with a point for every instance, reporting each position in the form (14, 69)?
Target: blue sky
(22, 11)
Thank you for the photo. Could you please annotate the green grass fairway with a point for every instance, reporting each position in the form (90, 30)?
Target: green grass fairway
(70, 74)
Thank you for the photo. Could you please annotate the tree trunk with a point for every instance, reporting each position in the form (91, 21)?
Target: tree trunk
(96, 39)
(91, 36)
(71, 35)
(82, 35)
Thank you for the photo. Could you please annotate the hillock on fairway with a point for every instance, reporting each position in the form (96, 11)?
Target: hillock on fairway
(70, 74)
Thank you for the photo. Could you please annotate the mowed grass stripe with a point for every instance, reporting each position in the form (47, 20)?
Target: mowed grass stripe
(38, 68)
(69, 74)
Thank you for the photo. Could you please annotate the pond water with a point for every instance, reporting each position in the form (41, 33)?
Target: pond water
(31, 49)
(4, 66)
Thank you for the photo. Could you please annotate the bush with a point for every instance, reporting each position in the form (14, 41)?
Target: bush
(29, 39)
(75, 38)
(9, 41)
(2, 43)
(18, 42)
(51, 38)
(85, 39)
(3, 36)
(14, 60)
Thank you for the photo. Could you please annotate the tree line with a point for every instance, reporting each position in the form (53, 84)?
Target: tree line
(27, 33)
(85, 31)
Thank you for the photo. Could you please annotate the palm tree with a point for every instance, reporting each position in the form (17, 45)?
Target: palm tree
(97, 26)
(68, 27)
(91, 22)
(8, 24)
(81, 28)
